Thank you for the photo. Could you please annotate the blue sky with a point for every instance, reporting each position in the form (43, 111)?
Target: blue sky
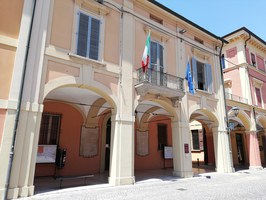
(223, 17)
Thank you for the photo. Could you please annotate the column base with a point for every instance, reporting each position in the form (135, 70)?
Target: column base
(2, 193)
(225, 170)
(255, 167)
(13, 193)
(23, 191)
(183, 174)
(121, 180)
(31, 190)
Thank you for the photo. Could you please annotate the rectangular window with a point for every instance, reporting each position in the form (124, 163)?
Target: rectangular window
(260, 63)
(162, 136)
(198, 40)
(202, 76)
(253, 59)
(230, 53)
(88, 36)
(50, 127)
(156, 63)
(195, 140)
(258, 95)
(156, 19)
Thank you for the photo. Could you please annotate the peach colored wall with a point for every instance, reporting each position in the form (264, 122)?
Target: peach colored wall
(155, 158)
(170, 56)
(112, 34)
(56, 70)
(236, 84)
(70, 139)
(108, 81)
(10, 17)
(7, 58)
(61, 32)
(2, 122)
(140, 38)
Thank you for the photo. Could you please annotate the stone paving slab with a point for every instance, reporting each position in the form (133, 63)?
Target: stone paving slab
(242, 185)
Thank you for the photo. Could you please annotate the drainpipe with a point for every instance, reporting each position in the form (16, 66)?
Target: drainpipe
(245, 46)
(11, 155)
(225, 104)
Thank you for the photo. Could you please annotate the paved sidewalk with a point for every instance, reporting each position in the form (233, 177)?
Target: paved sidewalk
(245, 184)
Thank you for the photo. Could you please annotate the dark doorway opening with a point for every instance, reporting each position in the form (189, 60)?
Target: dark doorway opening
(107, 145)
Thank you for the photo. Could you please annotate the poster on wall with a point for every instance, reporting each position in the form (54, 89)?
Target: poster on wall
(89, 142)
(46, 154)
(168, 152)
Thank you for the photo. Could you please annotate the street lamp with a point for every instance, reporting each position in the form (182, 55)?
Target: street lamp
(235, 110)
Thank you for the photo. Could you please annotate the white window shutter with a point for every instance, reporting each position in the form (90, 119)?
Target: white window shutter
(195, 73)
(209, 77)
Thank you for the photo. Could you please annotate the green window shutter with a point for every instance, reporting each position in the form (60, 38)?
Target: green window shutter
(94, 39)
(82, 41)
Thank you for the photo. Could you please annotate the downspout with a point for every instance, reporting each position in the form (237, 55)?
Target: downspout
(225, 105)
(245, 46)
(11, 155)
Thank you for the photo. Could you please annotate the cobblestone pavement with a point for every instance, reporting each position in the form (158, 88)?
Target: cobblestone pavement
(245, 184)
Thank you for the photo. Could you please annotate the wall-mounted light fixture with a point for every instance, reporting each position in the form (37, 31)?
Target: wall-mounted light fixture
(235, 110)
(182, 31)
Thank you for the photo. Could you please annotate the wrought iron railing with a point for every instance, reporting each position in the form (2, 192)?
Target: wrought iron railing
(160, 79)
(236, 98)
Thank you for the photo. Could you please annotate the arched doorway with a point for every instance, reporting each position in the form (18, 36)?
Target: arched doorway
(240, 136)
(202, 141)
(153, 135)
(80, 117)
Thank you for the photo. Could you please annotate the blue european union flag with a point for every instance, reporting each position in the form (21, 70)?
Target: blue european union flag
(189, 79)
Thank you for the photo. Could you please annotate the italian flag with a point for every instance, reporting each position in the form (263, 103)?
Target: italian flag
(146, 54)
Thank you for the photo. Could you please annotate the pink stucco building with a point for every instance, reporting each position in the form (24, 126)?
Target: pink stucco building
(245, 85)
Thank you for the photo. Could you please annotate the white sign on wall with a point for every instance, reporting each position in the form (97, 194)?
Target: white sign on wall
(168, 152)
(46, 154)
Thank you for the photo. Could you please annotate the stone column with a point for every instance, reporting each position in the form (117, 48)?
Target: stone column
(181, 149)
(122, 152)
(22, 172)
(122, 147)
(223, 152)
(25, 152)
(253, 150)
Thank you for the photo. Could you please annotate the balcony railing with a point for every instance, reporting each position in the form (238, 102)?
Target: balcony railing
(236, 98)
(160, 79)
(159, 83)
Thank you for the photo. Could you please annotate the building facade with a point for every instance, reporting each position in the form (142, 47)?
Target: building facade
(84, 96)
(245, 83)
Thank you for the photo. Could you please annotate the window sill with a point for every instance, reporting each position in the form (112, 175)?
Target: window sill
(86, 61)
(203, 91)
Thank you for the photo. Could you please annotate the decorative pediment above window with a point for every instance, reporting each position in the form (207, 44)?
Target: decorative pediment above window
(257, 83)
(154, 33)
(200, 54)
(228, 83)
(93, 5)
